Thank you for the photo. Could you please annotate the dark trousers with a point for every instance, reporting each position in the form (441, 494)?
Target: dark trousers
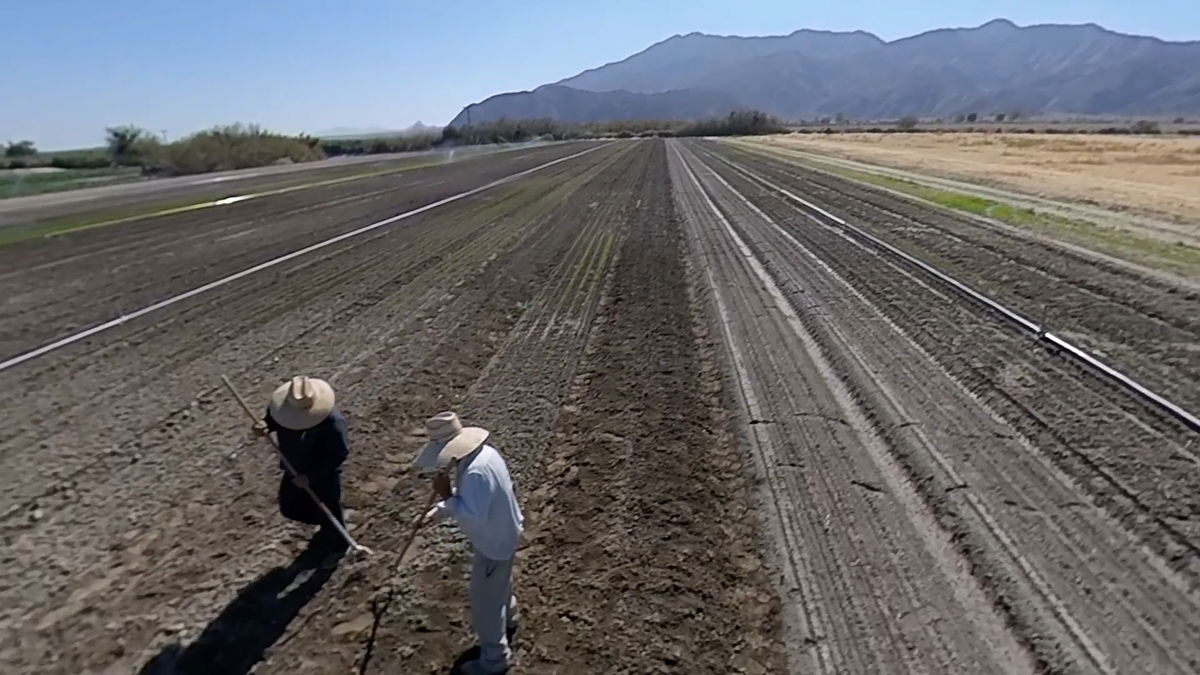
(295, 504)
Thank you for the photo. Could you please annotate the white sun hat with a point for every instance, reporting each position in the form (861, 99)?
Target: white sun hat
(302, 403)
(448, 440)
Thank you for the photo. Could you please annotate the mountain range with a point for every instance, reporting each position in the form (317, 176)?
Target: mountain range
(996, 67)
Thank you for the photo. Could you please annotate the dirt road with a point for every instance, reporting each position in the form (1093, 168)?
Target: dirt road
(745, 441)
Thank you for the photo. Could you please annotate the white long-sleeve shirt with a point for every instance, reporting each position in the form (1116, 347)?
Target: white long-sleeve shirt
(484, 504)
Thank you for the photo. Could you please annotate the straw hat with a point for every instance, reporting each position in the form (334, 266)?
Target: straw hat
(302, 403)
(448, 440)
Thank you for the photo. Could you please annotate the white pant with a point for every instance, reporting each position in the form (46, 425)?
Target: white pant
(492, 608)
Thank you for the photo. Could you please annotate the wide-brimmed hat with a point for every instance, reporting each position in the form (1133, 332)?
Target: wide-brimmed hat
(302, 403)
(448, 440)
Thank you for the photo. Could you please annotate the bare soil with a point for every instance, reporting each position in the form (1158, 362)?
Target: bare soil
(147, 538)
(1068, 503)
(1146, 326)
(50, 296)
(745, 441)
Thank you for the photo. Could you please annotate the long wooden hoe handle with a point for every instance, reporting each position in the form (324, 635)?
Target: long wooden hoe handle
(412, 536)
(293, 473)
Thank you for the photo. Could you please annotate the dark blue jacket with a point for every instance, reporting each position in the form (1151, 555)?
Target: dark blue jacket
(317, 453)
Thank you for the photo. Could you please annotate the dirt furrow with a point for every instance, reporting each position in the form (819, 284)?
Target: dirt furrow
(542, 397)
(994, 470)
(874, 589)
(245, 317)
(121, 242)
(518, 394)
(234, 494)
(1144, 325)
(644, 487)
(188, 249)
(1094, 431)
(745, 440)
(465, 326)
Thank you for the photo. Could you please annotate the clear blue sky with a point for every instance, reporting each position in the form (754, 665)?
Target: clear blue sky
(71, 67)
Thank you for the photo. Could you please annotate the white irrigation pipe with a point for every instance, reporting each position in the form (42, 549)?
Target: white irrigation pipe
(1039, 331)
(94, 330)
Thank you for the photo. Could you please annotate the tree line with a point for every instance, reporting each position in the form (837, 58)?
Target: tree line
(222, 148)
(737, 123)
(238, 146)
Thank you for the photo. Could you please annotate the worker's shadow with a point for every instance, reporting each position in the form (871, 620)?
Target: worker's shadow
(469, 655)
(237, 639)
(472, 654)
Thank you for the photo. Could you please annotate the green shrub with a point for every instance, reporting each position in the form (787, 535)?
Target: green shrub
(20, 149)
(80, 162)
(225, 148)
(130, 145)
(1145, 127)
(364, 146)
(738, 123)
(516, 131)
(507, 131)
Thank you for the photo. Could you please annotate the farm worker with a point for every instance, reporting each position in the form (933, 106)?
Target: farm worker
(484, 505)
(312, 436)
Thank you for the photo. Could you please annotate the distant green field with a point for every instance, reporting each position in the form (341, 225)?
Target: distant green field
(170, 205)
(17, 184)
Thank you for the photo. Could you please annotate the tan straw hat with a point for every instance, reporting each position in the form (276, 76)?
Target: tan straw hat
(448, 440)
(302, 403)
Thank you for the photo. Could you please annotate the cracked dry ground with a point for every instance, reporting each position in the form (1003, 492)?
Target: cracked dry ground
(745, 442)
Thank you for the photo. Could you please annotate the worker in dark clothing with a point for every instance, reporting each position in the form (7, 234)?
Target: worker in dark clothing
(312, 437)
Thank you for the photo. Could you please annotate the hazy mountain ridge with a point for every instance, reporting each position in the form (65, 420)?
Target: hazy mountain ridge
(575, 105)
(681, 61)
(996, 67)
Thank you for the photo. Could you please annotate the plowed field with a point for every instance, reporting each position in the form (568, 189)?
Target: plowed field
(746, 440)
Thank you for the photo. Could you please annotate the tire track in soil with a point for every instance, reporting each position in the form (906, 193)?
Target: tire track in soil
(1124, 605)
(206, 533)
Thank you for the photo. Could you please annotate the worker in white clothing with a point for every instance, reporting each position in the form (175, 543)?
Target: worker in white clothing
(485, 506)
